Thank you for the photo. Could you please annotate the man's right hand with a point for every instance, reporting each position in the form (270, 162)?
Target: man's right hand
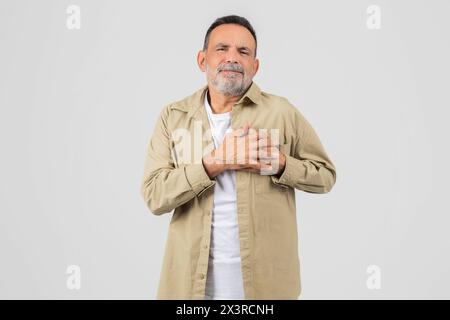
(238, 151)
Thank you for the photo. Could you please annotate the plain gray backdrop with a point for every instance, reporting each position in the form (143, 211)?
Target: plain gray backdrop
(78, 108)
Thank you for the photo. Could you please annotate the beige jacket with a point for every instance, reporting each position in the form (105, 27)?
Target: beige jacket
(265, 204)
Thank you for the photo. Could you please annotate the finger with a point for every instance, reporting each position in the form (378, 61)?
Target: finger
(267, 141)
(259, 167)
(242, 131)
(262, 134)
(268, 152)
(253, 132)
(253, 136)
(246, 127)
(266, 170)
(252, 170)
(265, 152)
(264, 143)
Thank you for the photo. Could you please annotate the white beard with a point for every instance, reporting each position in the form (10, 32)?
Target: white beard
(229, 84)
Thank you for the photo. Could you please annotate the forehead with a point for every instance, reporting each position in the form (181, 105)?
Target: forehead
(232, 34)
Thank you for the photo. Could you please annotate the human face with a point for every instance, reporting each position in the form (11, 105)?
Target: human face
(229, 61)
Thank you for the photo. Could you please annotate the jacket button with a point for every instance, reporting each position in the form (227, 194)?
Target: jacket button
(205, 246)
(202, 276)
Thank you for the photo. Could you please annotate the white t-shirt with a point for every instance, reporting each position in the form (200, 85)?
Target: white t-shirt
(224, 276)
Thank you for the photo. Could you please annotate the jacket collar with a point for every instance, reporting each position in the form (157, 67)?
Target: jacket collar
(192, 103)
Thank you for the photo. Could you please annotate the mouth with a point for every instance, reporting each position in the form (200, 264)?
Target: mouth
(230, 71)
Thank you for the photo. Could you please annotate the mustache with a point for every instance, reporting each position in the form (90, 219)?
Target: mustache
(230, 67)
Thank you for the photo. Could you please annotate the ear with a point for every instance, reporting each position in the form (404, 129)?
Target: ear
(201, 60)
(255, 66)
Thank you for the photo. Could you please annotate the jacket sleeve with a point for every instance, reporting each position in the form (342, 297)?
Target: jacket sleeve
(164, 186)
(308, 166)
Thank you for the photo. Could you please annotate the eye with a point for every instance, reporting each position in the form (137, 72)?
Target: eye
(220, 49)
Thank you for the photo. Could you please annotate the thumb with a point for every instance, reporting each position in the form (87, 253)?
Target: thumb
(265, 169)
(246, 127)
(242, 131)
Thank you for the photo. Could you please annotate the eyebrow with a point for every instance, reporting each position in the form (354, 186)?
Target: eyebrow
(220, 44)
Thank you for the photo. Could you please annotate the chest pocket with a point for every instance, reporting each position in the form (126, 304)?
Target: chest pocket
(264, 183)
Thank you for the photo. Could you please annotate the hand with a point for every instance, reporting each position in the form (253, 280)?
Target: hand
(236, 151)
(243, 149)
(270, 160)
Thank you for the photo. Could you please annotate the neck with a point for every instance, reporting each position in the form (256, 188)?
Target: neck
(220, 103)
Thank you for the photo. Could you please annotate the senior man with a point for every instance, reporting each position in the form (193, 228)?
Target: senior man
(227, 159)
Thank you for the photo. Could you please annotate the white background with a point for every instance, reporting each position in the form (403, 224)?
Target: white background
(77, 108)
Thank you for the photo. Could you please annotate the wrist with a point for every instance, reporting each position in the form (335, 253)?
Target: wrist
(282, 165)
(212, 166)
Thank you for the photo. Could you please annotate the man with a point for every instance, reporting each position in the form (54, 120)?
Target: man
(228, 159)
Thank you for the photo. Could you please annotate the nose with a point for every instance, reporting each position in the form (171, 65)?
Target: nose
(232, 56)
